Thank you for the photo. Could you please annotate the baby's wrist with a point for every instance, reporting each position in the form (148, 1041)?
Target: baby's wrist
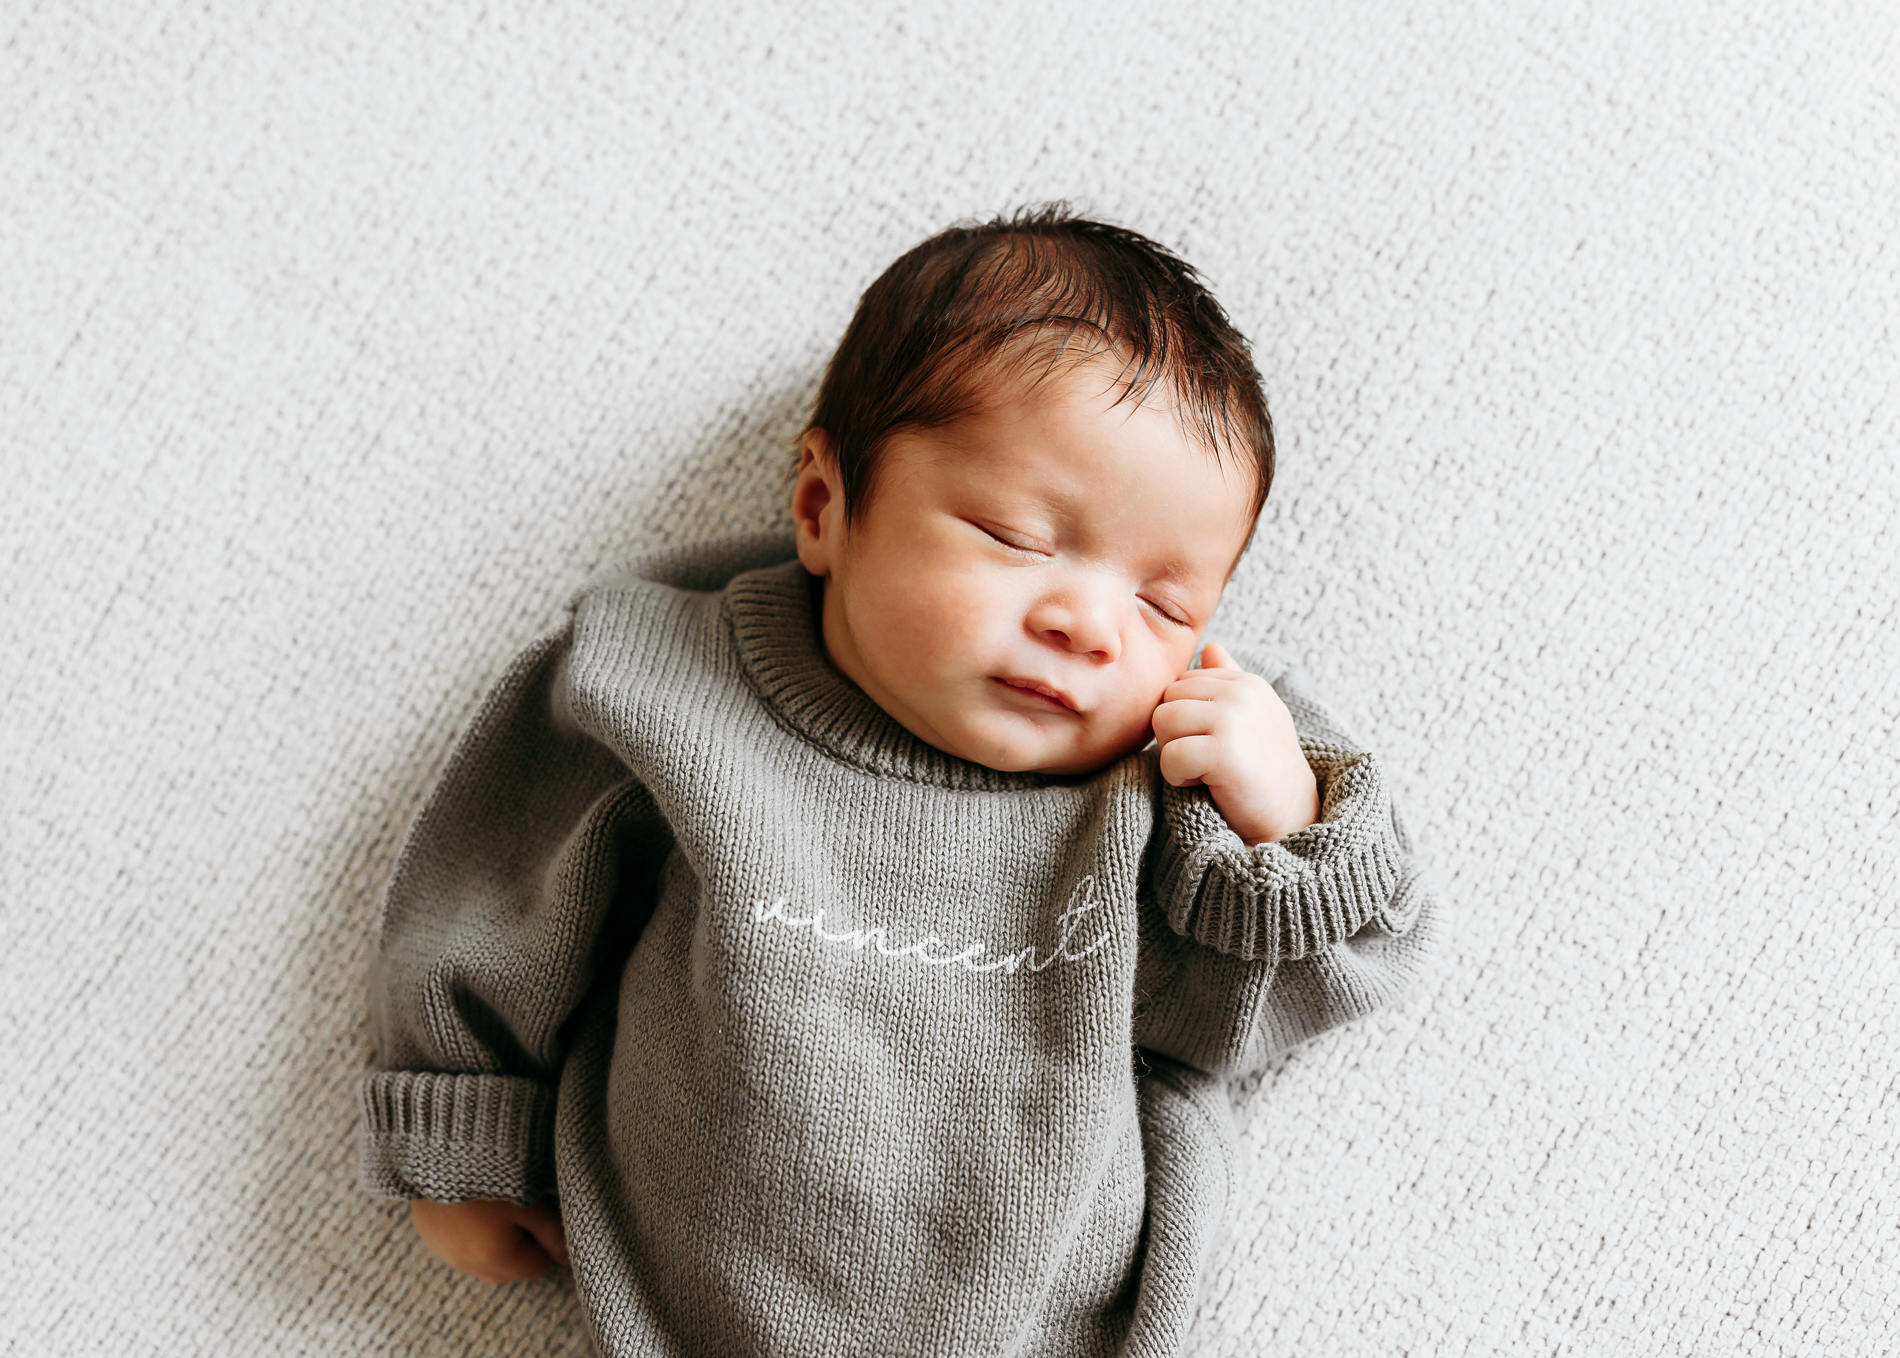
(1266, 818)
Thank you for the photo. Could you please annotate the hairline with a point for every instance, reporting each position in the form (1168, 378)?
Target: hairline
(976, 382)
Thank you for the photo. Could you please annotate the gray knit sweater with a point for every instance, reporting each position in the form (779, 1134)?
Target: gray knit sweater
(829, 1042)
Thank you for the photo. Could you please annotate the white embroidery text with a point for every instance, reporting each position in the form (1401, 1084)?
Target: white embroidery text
(931, 951)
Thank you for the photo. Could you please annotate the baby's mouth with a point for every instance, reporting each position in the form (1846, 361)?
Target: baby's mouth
(1054, 698)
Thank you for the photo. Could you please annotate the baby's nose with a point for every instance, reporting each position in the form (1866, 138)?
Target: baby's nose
(1080, 625)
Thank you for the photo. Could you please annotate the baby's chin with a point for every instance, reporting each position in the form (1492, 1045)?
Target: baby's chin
(1014, 751)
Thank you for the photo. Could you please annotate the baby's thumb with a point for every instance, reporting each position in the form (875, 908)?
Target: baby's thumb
(1214, 657)
(543, 1222)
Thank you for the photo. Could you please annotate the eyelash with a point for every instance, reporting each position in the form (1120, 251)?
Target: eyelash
(1178, 622)
(1032, 552)
(1013, 546)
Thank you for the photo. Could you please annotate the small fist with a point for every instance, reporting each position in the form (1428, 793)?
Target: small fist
(499, 1242)
(1226, 730)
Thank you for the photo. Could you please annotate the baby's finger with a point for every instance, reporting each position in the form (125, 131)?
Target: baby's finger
(1186, 761)
(1206, 685)
(1214, 657)
(1185, 717)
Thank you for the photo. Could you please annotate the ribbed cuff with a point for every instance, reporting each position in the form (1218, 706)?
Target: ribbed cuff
(1286, 900)
(454, 1137)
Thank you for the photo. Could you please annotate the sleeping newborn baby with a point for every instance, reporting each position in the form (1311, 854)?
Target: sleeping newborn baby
(840, 945)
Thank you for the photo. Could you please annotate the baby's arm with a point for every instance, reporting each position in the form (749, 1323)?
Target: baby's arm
(1251, 945)
(529, 872)
(1224, 729)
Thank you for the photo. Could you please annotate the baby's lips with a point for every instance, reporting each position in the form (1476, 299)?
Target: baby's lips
(1042, 690)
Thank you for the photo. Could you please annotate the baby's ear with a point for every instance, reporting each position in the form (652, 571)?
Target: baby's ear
(814, 445)
(817, 503)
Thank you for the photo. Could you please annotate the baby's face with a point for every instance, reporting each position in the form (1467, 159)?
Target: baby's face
(1024, 583)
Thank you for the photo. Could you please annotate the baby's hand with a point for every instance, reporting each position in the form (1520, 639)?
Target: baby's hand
(499, 1242)
(1228, 731)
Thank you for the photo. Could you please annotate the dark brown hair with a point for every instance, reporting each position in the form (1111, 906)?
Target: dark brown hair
(1022, 296)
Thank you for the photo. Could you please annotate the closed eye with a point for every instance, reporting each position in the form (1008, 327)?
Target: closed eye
(1168, 614)
(1016, 542)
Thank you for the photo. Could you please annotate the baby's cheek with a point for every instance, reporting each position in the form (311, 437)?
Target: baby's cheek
(928, 616)
(1129, 727)
(971, 628)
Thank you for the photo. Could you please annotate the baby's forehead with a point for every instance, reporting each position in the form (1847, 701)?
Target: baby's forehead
(1084, 456)
(1091, 402)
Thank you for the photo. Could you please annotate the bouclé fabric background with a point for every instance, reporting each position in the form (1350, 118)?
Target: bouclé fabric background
(342, 342)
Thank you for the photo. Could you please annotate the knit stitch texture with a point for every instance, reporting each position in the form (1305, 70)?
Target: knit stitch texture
(873, 1050)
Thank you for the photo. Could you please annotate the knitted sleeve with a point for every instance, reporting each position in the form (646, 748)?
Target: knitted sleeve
(1248, 951)
(530, 867)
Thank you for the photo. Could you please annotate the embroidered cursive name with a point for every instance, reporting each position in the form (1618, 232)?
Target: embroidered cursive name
(932, 951)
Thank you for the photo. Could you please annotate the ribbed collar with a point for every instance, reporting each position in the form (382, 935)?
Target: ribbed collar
(770, 612)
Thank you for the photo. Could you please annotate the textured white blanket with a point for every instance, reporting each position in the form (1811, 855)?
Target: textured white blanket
(340, 341)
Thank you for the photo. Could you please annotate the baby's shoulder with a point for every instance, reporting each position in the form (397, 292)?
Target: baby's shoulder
(651, 634)
(693, 568)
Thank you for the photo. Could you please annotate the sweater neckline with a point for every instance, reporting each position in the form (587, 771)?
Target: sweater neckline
(773, 624)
